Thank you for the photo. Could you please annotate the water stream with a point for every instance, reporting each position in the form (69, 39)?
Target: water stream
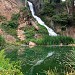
(50, 31)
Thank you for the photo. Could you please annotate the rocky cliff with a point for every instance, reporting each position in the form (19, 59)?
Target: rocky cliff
(8, 7)
(37, 5)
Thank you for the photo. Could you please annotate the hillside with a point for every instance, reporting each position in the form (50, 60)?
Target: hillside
(16, 24)
(9, 7)
(38, 39)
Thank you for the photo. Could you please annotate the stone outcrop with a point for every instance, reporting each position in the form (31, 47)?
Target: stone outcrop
(9, 7)
(20, 32)
(32, 44)
(8, 38)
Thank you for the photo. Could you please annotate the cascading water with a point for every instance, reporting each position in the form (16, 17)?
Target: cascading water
(50, 31)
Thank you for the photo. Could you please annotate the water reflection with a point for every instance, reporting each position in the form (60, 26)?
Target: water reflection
(40, 58)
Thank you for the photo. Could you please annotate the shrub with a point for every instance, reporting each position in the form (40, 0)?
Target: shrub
(2, 17)
(63, 19)
(48, 9)
(8, 30)
(2, 42)
(15, 16)
(13, 24)
(7, 68)
(54, 40)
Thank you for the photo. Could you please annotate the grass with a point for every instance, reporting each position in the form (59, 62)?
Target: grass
(50, 72)
(30, 32)
(54, 40)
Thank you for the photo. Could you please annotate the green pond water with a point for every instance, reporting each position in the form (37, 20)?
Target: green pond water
(37, 60)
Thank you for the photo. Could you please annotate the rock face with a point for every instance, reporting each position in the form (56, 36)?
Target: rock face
(9, 7)
(37, 5)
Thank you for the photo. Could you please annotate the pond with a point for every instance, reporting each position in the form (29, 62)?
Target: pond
(37, 60)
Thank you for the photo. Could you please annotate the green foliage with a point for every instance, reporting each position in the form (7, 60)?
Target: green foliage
(15, 16)
(30, 32)
(2, 17)
(62, 18)
(10, 24)
(23, 9)
(13, 24)
(8, 29)
(2, 42)
(54, 40)
(7, 68)
(48, 9)
(50, 72)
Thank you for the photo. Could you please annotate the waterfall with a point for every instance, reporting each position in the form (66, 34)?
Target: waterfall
(50, 31)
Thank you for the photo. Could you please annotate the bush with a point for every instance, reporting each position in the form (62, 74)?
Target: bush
(49, 9)
(13, 24)
(63, 19)
(15, 16)
(2, 17)
(2, 42)
(10, 24)
(7, 68)
(54, 40)
(8, 30)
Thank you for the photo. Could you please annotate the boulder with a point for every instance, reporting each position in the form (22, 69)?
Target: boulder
(38, 36)
(10, 39)
(35, 25)
(32, 44)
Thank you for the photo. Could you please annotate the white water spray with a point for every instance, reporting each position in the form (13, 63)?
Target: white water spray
(50, 31)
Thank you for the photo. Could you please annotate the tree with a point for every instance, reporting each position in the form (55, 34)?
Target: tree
(7, 67)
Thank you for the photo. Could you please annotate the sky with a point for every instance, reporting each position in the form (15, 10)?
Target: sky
(63, 0)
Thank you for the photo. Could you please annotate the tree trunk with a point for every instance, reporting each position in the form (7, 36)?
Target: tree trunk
(67, 6)
(72, 7)
(72, 2)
